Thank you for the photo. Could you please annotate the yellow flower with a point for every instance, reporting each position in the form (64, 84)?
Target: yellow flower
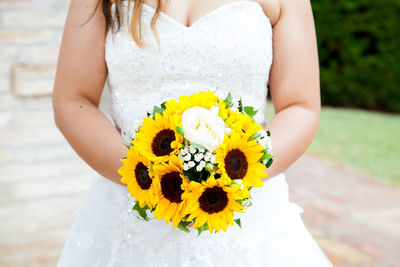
(157, 138)
(170, 178)
(239, 158)
(213, 203)
(224, 111)
(140, 182)
(242, 123)
(204, 99)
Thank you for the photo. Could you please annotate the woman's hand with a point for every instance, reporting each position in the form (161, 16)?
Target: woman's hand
(294, 84)
(80, 78)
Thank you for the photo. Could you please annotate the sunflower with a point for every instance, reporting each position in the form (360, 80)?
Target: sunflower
(239, 158)
(139, 180)
(213, 203)
(223, 110)
(242, 123)
(157, 138)
(205, 99)
(170, 178)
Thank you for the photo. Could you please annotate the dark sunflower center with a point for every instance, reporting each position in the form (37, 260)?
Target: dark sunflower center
(236, 164)
(171, 186)
(213, 200)
(142, 176)
(161, 145)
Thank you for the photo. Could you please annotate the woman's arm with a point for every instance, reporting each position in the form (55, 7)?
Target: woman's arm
(294, 84)
(80, 78)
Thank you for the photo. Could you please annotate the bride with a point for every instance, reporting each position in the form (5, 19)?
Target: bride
(152, 51)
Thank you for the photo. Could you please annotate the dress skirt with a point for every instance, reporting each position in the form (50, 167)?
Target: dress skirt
(107, 232)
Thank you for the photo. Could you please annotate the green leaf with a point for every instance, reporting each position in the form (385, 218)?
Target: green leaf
(246, 202)
(237, 182)
(250, 111)
(186, 217)
(228, 100)
(269, 162)
(141, 211)
(202, 228)
(196, 176)
(209, 166)
(250, 204)
(192, 175)
(266, 156)
(238, 222)
(198, 146)
(157, 109)
(152, 210)
(269, 155)
(254, 136)
(163, 105)
(183, 226)
(127, 146)
(125, 136)
(240, 105)
(180, 131)
(150, 168)
(268, 133)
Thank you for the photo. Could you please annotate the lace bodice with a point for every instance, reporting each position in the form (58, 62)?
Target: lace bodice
(227, 50)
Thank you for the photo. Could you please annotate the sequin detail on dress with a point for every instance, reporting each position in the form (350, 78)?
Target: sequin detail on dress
(224, 53)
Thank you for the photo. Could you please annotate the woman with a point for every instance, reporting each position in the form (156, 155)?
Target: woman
(155, 51)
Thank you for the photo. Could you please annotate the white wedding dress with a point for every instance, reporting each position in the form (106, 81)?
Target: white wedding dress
(227, 50)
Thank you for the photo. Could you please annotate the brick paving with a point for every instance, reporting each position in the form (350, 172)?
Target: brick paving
(354, 218)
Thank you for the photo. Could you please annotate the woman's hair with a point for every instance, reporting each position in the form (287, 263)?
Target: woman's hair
(114, 23)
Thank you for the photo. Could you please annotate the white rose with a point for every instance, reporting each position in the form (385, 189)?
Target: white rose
(203, 127)
(215, 109)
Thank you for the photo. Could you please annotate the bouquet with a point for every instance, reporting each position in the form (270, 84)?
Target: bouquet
(194, 161)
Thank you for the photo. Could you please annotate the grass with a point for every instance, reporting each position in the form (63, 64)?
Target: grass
(365, 141)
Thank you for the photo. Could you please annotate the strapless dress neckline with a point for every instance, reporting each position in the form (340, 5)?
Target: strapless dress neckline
(209, 15)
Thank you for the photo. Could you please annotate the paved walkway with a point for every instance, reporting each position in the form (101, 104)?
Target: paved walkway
(354, 218)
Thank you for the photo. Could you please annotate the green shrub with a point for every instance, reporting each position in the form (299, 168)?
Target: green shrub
(359, 53)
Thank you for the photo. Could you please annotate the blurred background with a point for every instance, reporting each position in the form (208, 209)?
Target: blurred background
(347, 182)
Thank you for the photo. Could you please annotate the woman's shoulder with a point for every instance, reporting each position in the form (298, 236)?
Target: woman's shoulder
(275, 9)
(271, 9)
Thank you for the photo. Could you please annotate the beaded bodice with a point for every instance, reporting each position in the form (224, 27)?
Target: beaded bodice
(227, 50)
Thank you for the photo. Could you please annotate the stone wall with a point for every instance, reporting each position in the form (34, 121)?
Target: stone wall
(30, 33)
(42, 180)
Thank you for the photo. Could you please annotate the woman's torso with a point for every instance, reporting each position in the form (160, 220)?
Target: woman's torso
(228, 50)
